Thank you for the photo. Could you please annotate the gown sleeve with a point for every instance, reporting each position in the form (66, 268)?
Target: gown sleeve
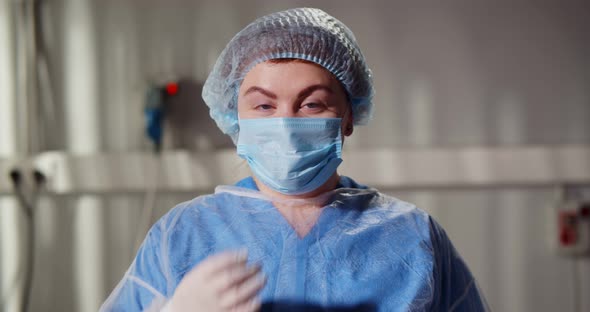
(143, 287)
(455, 286)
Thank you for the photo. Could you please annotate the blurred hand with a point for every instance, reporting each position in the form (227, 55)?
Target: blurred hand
(222, 282)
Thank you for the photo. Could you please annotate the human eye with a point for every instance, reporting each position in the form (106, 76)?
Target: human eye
(263, 107)
(313, 107)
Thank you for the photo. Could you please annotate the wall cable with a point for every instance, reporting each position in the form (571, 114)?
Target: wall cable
(28, 207)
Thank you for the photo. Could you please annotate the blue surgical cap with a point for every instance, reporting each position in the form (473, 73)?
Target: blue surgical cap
(303, 33)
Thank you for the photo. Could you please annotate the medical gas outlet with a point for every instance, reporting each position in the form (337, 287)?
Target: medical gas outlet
(573, 229)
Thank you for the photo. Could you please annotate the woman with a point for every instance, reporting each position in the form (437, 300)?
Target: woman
(296, 236)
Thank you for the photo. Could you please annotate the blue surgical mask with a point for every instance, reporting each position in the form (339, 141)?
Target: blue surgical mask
(291, 155)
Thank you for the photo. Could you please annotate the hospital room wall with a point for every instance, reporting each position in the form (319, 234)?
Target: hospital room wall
(449, 74)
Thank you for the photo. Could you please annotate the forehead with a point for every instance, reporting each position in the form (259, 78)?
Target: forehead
(289, 74)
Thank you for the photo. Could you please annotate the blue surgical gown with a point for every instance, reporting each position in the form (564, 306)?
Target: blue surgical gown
(366, 252)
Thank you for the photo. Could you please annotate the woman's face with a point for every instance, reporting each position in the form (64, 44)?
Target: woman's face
(293, 89)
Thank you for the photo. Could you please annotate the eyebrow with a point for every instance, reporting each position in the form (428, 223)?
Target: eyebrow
(260, 90)
(309, 90)
(305, 92)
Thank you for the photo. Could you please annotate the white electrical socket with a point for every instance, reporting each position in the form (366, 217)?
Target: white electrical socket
(571, 233)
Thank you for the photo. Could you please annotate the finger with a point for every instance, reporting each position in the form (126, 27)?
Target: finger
(234, 277)
(223, 261)
(244, 292)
